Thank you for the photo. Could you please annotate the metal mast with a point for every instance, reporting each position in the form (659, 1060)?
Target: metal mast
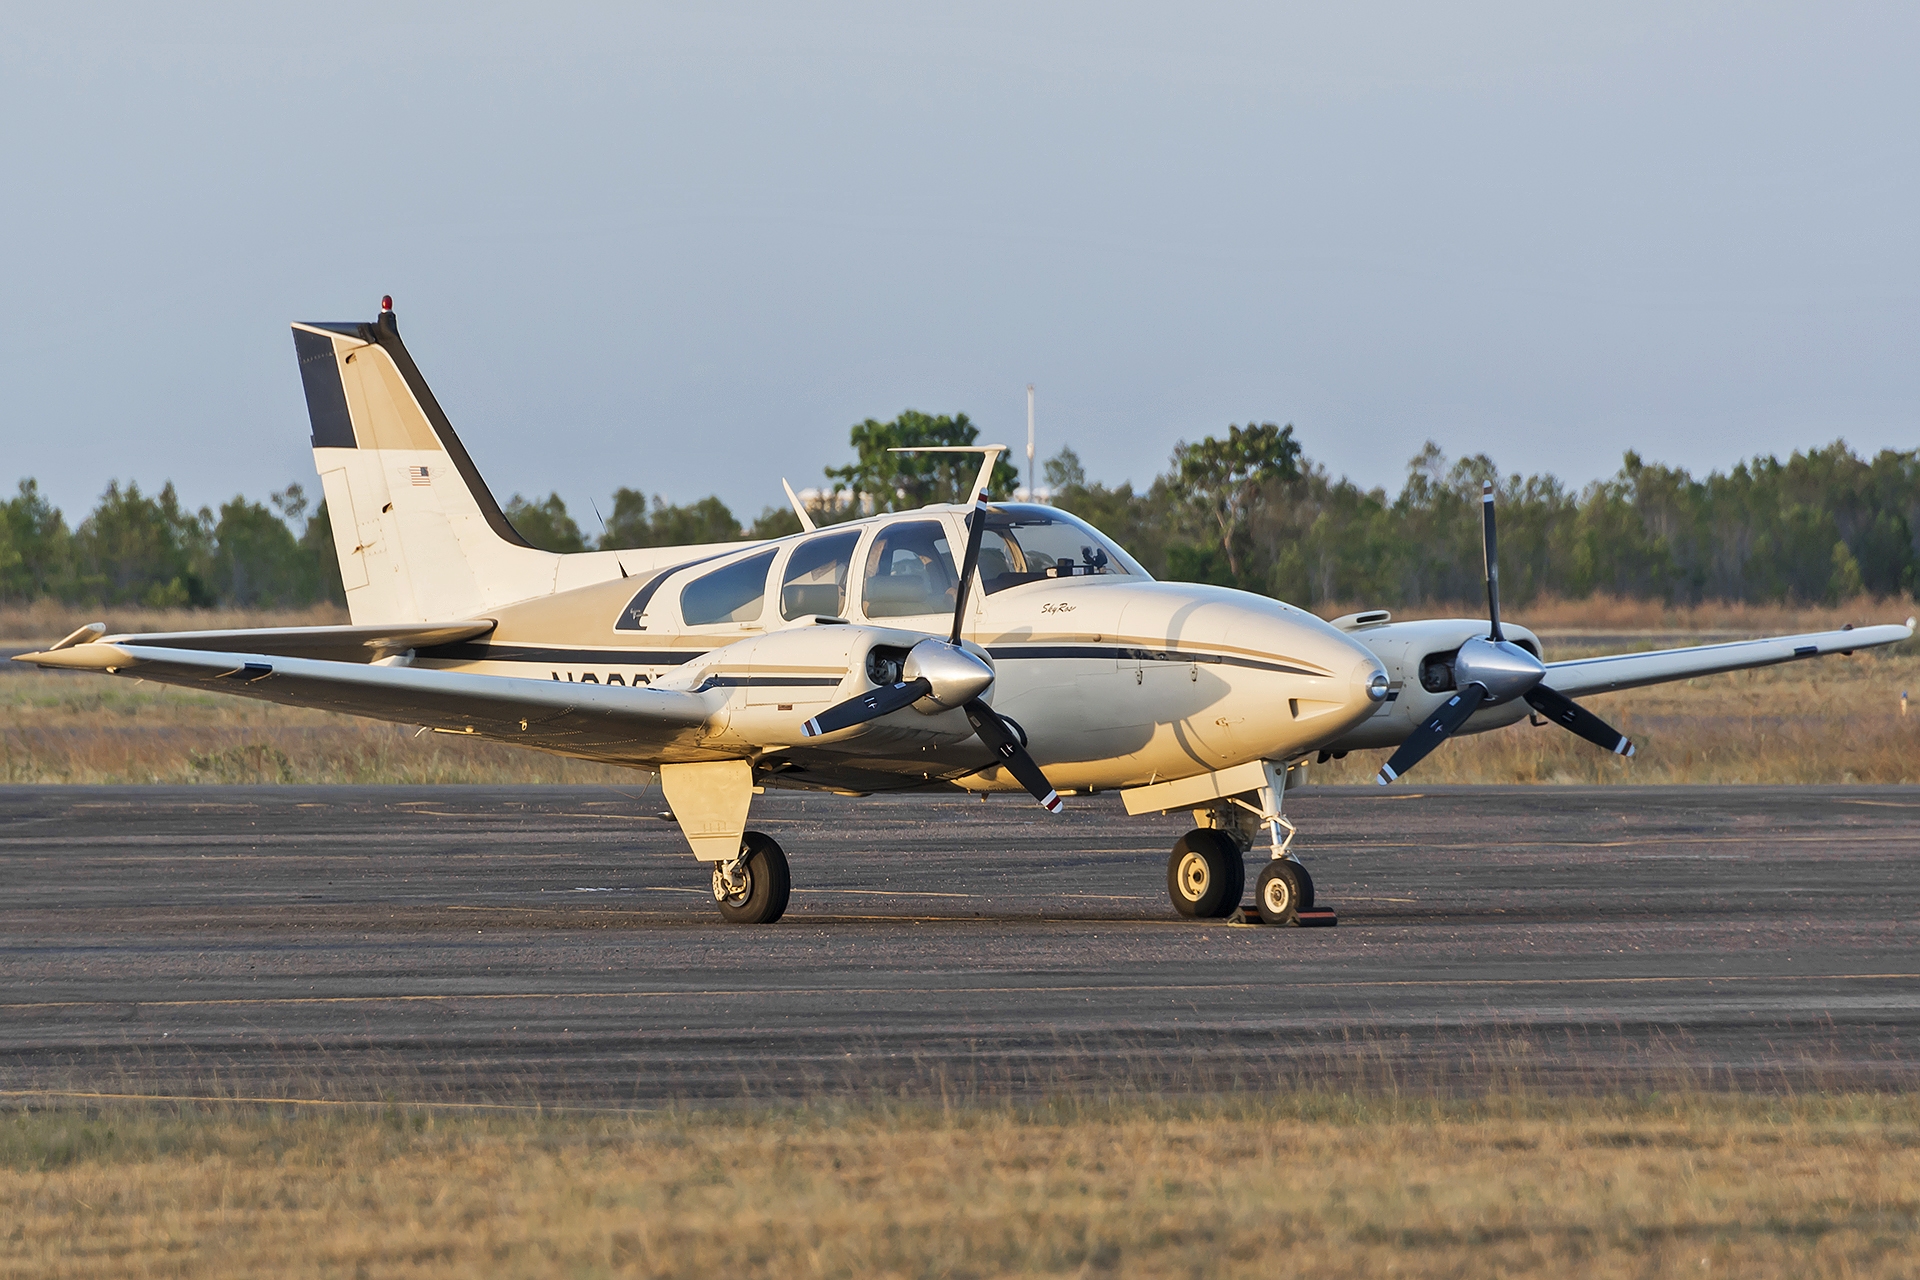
(1033, 487)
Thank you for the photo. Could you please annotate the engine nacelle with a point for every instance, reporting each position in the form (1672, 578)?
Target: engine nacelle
(766, 687)
(1423, 662)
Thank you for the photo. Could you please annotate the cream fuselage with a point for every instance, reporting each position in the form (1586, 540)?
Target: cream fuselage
(1117, 680)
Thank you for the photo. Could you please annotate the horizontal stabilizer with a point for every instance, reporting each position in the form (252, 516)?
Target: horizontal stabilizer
(330, 644)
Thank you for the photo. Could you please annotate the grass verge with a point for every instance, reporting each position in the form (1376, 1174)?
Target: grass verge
(1336, 1184)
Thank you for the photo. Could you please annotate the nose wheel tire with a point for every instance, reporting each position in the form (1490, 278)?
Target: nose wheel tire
(1281, 891)
(1205, 875)
(754, 888)
(1306, 884)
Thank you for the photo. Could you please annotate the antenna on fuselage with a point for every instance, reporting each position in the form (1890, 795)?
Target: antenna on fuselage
(799, 508)
(993, 452)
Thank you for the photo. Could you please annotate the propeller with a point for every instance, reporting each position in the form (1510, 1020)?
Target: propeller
(940, 675)
(1495, 670)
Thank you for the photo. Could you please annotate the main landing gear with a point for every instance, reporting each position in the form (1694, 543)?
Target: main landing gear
(753, 888)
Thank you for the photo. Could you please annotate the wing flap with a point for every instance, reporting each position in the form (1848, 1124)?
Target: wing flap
(1632, 670)
(594, 721)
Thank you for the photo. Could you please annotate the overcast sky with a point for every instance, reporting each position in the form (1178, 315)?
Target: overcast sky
(684, 248)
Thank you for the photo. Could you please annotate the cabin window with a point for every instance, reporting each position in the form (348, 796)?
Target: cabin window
(1029, 544)
(909, 571)
(732, 593)
(817, 574)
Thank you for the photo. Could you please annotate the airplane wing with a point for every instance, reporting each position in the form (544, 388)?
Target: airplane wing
(596, 722)
(1632, 670)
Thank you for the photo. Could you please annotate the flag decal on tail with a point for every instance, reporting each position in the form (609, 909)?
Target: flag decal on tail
(419, 476)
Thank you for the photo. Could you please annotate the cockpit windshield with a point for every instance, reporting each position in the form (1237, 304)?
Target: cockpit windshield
(1026, 543)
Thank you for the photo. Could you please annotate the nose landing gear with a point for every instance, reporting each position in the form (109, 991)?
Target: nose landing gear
(1206, 874)
(1282, 890)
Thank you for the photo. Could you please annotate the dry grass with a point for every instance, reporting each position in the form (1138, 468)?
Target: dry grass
(1319, 1184)
(61, 727)
(45, 621)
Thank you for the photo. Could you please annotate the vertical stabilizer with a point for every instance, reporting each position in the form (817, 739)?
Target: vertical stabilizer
(419, 535)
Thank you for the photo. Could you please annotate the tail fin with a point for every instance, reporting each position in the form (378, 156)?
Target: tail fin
(419, 535)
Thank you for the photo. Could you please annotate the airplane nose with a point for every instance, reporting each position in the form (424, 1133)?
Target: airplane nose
(1355, 683)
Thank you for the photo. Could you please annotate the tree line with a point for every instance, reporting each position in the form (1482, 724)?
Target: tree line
(1252, 511)
(1247, 508)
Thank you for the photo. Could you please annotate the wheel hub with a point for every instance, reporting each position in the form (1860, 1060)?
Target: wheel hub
(1277, 894)
(1194, 877)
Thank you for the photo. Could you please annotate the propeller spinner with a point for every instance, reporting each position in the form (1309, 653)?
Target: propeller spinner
(940, 675)
(1495, 670)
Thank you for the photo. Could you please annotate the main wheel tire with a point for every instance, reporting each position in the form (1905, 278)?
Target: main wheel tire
(1306, 885)
(768, 883)
(1205, 875)
(1279, 892)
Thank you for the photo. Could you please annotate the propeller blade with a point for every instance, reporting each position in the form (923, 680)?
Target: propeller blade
(1573, 717)
(1490, 545)
(1451, 715)
(1006, 744)
(870, 705)
(976, 529)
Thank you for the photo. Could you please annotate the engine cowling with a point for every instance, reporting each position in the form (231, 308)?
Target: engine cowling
(765, 687)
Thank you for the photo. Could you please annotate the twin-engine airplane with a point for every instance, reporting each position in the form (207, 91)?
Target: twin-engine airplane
(986, 646)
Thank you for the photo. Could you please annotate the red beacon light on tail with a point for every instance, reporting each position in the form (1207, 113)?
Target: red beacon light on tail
(386, 302)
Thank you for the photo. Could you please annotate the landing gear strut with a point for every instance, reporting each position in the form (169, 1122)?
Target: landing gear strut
(753, 887)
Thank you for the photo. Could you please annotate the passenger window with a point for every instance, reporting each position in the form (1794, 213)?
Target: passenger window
(816, 577)
(734, 593)
(909, 571)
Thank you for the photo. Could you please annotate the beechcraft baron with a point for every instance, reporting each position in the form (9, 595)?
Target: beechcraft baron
(985, 646)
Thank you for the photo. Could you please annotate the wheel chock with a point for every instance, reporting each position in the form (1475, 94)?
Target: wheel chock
(1311, 918)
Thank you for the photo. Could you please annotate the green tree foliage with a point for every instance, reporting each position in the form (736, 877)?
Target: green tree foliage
(36, 548)
(1821, 526)
(133, 549)
(546, 524)
(879, 480)
(1226, 479)
(255, 561)
(636, 523)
